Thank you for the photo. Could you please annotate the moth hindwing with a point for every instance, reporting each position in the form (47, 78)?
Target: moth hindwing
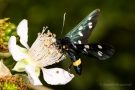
(100, 51)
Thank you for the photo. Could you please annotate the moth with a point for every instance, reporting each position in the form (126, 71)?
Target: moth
(75, 42)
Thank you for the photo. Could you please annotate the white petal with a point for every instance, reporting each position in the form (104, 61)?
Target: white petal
(20, 65)
(22, 31)
(30, 69)
(56, 76)
(4, 71)
(17, 52)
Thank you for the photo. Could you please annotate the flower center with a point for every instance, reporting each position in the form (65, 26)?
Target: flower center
(44, 50)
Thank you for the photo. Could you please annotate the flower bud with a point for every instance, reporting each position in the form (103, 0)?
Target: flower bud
(7, 29)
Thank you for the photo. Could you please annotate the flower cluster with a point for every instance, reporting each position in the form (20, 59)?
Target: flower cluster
(42, 53)
(9, 81)
(6, 30)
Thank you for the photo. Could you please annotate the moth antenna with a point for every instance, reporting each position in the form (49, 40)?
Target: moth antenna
(63, 22)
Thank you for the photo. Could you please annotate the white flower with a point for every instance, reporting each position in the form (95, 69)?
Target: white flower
(42, 53)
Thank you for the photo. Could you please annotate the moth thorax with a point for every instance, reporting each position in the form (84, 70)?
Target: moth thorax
(44, 50)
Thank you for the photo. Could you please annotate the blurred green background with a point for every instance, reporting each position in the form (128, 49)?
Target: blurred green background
(116, 26)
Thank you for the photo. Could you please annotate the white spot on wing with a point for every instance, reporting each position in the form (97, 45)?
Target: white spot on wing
(100, 53)
(89, 18)
(80, 33)
(85, 49)
(99, 46)
(74, 46)
(79, 42)
(87, 46)
(81, 27)
(90, 25)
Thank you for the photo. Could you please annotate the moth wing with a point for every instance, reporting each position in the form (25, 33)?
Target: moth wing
(82, 31)
(100, 51)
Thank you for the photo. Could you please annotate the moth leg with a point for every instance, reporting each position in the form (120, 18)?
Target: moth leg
(70, 67)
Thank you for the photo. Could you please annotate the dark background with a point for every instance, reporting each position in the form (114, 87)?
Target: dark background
(116, 26)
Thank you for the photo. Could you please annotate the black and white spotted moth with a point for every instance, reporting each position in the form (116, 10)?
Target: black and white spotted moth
(75, 42)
